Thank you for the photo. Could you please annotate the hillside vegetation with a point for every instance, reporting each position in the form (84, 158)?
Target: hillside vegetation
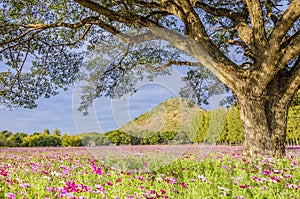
(174, 114)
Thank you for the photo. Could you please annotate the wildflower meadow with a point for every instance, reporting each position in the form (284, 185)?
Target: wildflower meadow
(129, 172)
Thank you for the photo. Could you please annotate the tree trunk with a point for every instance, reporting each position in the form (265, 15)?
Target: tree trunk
(264, 124)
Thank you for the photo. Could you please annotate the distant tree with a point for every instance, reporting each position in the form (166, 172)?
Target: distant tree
(16, 140)
(203, 121)
(36, 133)
(293, 125)
(6, 133)
(234, 126)
(3, 137)
(216, 124)
(71, 140)
(46, 131)
(56, 132)
(41, 140)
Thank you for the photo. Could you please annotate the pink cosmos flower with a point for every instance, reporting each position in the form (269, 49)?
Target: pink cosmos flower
(266, 172)
(141, 178)
(274, 179)
(202, 177)
(25, 185)
(287, 176)
(10, 195)
(3, 172)
(294, 162)
(51, 189)
(223, 189)
(241, 197)
(184, 185)
(170, 180)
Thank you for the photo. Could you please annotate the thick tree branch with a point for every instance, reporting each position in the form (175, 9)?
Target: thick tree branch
(220, 12)
(176, 63)
(290, 50)
(257, 22)
(218, 63)
(239, 20)
(283, 25)
(116, 16)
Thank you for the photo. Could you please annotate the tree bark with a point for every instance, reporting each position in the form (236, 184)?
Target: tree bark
(264, 120)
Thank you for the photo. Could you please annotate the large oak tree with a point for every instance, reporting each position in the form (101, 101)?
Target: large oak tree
(44, 34)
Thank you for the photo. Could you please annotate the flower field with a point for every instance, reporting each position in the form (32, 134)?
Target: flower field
(146, 172)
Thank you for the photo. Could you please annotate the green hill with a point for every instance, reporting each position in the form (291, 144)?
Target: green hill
(172, 115)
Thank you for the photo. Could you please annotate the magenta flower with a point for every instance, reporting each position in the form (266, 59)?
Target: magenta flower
(100, 188)
(170, 180)
(266, 172)
(3, 173)
(71, 187)
(294, 162)
(51, 189)
(109, 183)
(244, 186)
(274, 179)
(184, 185)
(97, 170)
(141, 178)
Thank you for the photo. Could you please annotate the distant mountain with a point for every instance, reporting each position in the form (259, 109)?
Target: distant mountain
(172, 115)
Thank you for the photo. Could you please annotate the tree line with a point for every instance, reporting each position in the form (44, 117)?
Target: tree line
(43, 139)
(220, 126)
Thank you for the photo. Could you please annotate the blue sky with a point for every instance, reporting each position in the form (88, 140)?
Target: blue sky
(60, 111)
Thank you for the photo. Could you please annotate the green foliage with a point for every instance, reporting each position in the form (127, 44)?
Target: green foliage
(56, 132)
(16, 140)
(71, 140)
(46, 131)
(94, 139)
(202, 122)
(293, 125)
(41, 140)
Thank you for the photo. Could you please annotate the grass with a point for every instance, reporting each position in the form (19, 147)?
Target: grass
(146, 172)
